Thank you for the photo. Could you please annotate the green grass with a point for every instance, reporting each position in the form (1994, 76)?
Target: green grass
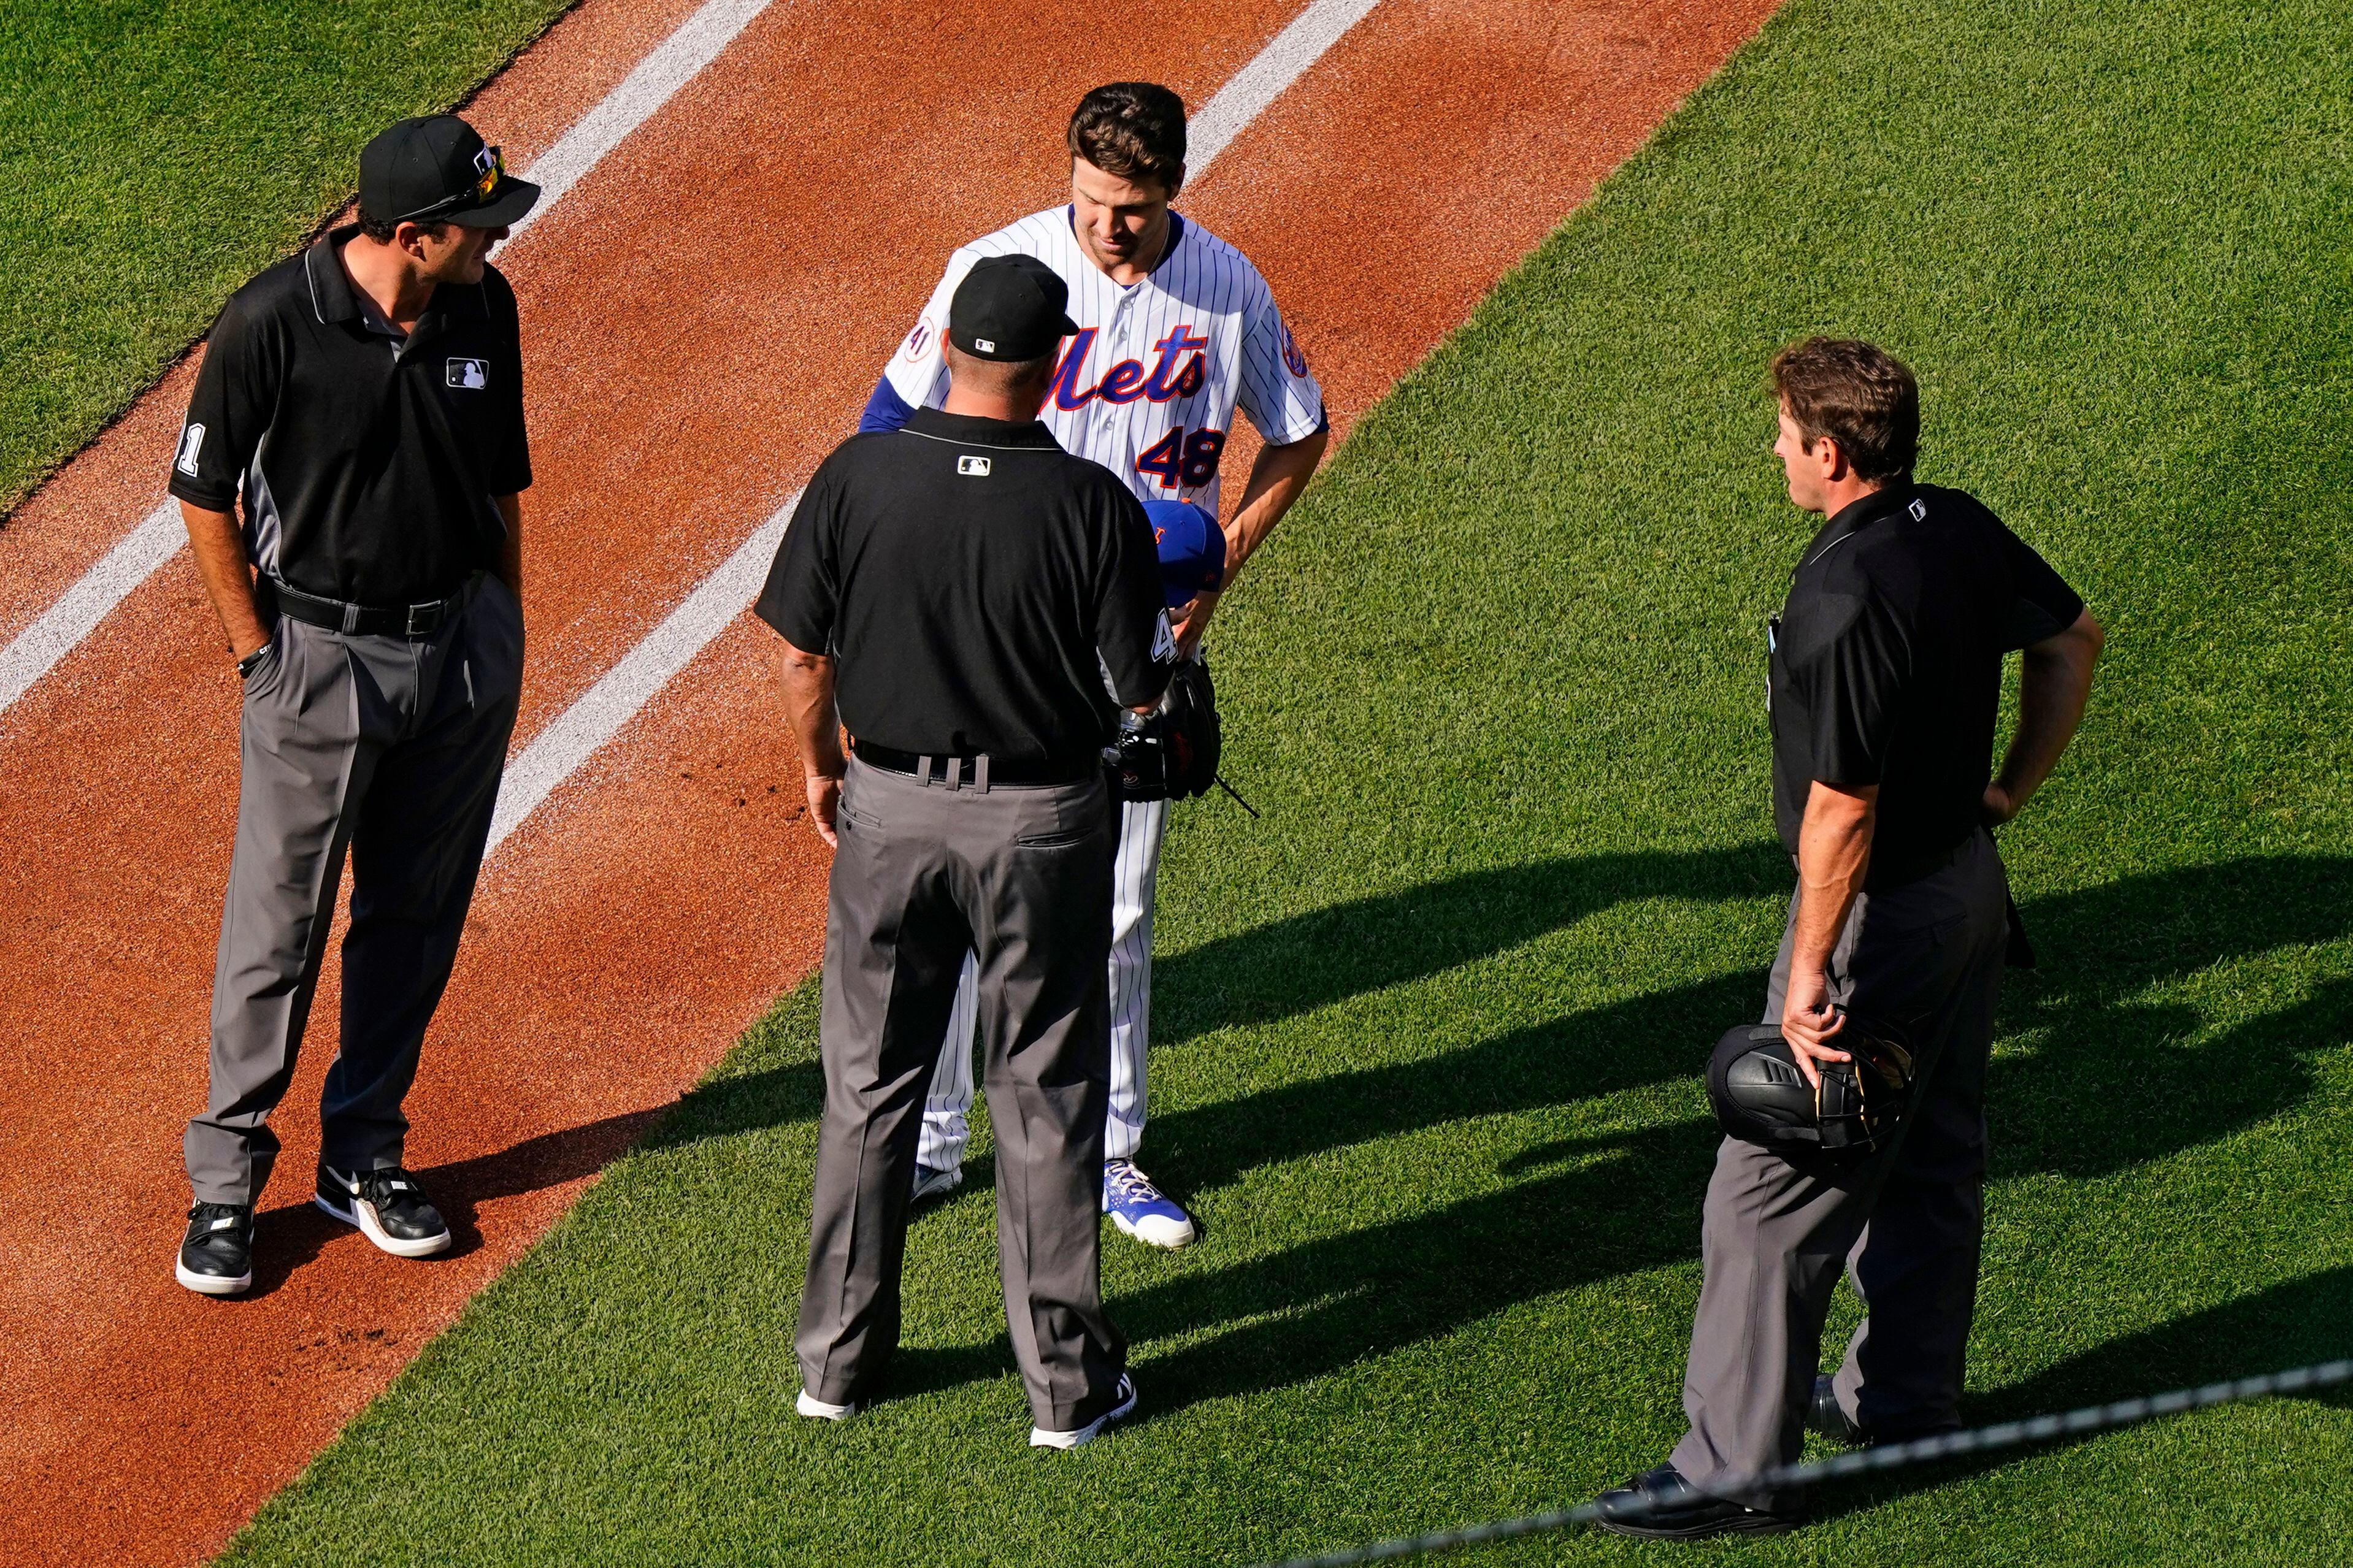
(156, 154)
(1429, 1036)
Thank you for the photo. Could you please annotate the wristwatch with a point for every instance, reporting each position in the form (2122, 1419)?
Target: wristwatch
(244, 666)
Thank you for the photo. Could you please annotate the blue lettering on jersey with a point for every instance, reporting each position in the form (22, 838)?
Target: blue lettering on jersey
(1125, 381)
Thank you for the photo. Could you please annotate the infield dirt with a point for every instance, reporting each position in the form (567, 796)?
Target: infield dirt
(703, 317)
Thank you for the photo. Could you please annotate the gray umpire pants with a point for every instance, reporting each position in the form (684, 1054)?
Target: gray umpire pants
(1906, 1224)
(1021, 877)
(390, 749)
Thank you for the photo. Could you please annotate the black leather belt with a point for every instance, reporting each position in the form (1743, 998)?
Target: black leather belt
(364, 620)
(981, 772)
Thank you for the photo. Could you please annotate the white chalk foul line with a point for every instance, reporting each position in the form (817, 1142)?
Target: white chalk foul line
(699, 40)
(622, 692)
(679, 59)
(613, 701)
(557, 752)
(36, 649)
(1261, 82)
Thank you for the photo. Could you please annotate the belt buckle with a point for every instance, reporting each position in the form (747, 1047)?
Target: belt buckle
(420, 624)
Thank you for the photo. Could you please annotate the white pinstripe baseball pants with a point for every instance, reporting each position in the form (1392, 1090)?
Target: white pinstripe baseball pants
(947, 1110)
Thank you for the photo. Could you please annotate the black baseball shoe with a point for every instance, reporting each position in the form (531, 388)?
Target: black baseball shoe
(388, 1205)
(216, 1255)
(1660, 1505)
(1823, 1416)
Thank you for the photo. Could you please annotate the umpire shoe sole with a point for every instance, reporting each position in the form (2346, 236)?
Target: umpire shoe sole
(354, 1210)
(1660, 1505)
(1041, 1437)
(213, 1284)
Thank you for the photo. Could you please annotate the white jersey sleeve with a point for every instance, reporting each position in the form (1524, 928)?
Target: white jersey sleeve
(1278, 393)
(918, 372)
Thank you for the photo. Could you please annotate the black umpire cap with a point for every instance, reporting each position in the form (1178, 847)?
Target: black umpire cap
(435, 169)
(1011, 307)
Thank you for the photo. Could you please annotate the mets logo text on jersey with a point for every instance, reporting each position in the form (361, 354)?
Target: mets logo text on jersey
(1125, 381)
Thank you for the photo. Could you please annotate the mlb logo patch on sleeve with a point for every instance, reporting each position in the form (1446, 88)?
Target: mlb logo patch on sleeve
(192, 441)
(472, 374)
(975, 466)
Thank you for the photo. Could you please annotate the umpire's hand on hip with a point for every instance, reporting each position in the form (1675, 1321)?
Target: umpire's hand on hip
(807, 682)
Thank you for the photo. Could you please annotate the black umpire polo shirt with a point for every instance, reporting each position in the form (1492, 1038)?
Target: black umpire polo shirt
(1886, 667)
(367, 460)
(975, 584)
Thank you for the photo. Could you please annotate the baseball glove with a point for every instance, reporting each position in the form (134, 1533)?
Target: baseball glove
(1172, 752)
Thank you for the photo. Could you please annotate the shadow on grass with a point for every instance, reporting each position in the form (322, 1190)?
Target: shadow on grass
(1611, 1205)
(742, 1102)
(1589, 1055)
(2298, 1323)
(2108, 1084)
(1328, 955)
(1622, 1202)
(2107, 1081)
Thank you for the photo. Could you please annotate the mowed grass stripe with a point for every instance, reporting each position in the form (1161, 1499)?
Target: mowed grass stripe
(156, 154)
(1429, 1035)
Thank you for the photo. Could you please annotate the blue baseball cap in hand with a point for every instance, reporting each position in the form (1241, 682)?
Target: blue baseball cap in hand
(1192, 549)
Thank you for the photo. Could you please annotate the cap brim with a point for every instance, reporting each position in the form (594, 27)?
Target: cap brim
(507, 204)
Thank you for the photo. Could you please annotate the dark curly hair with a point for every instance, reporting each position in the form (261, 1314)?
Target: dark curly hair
(1132, 129)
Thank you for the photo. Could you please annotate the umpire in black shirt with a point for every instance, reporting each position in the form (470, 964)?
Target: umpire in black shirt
(1886, 677)
(973, 606)
(364, 401)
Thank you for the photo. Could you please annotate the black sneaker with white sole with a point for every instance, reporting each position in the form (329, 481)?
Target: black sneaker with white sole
(388, 1205)
(216, 1255)
(1123, 1406)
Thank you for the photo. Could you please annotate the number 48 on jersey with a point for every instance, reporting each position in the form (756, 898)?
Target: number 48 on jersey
(1181, 461)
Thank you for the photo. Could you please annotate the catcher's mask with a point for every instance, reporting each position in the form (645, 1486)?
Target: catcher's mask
(1761, 1098)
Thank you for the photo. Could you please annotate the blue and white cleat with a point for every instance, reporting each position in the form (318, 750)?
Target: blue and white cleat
(932, 1183)
(1142, 1210)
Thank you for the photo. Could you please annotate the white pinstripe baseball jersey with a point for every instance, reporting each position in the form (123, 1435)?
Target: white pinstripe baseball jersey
(1149, 385)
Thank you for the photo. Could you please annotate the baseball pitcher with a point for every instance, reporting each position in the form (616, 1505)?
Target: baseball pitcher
(1176, 331)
